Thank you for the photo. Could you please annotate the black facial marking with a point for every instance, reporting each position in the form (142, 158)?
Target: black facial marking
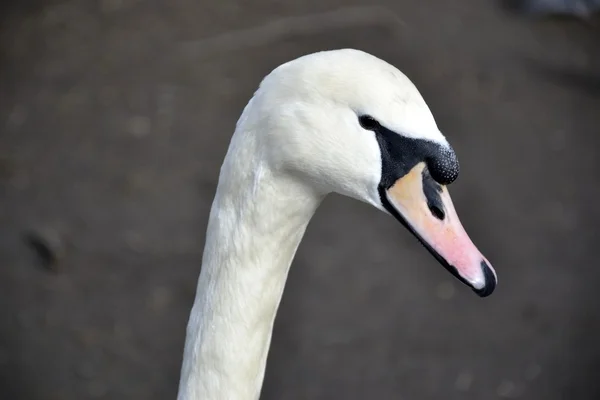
(400, 154)
(444, 167)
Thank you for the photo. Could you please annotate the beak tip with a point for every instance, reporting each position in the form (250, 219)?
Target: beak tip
(490, 281)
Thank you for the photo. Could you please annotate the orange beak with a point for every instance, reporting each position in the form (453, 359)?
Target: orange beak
(426, 209)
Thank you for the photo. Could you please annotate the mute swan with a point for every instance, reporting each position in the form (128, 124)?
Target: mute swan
(335, 121)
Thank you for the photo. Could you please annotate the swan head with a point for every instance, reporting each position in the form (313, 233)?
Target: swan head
(348, 122)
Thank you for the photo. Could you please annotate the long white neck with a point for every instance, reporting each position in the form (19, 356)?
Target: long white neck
(257, 220)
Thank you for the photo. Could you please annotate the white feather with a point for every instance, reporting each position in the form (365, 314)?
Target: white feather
(296, 140)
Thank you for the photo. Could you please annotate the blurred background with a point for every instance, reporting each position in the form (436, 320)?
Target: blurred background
(115, 116)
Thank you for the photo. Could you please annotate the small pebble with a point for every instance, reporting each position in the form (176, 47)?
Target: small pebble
(49, 246)
(139, 126)
(464, 381)
(507, 389)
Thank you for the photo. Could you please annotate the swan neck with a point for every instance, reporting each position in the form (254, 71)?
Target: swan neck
(255, 226)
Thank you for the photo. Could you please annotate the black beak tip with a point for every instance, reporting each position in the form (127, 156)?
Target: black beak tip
(490, 281)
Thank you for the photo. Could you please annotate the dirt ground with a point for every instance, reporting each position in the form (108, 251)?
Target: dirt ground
(115, 116)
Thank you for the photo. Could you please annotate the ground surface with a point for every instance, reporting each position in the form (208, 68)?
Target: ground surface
(115, 118)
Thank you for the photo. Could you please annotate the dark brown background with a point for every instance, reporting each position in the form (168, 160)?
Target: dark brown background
(115, 116)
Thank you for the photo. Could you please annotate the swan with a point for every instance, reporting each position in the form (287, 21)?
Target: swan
(340, 121)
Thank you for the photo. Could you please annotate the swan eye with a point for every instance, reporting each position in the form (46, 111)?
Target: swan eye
(368, 122)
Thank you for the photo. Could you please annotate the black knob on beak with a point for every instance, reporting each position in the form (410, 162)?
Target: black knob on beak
(443, 165)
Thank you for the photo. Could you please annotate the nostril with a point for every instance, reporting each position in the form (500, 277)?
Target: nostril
(437, 212)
